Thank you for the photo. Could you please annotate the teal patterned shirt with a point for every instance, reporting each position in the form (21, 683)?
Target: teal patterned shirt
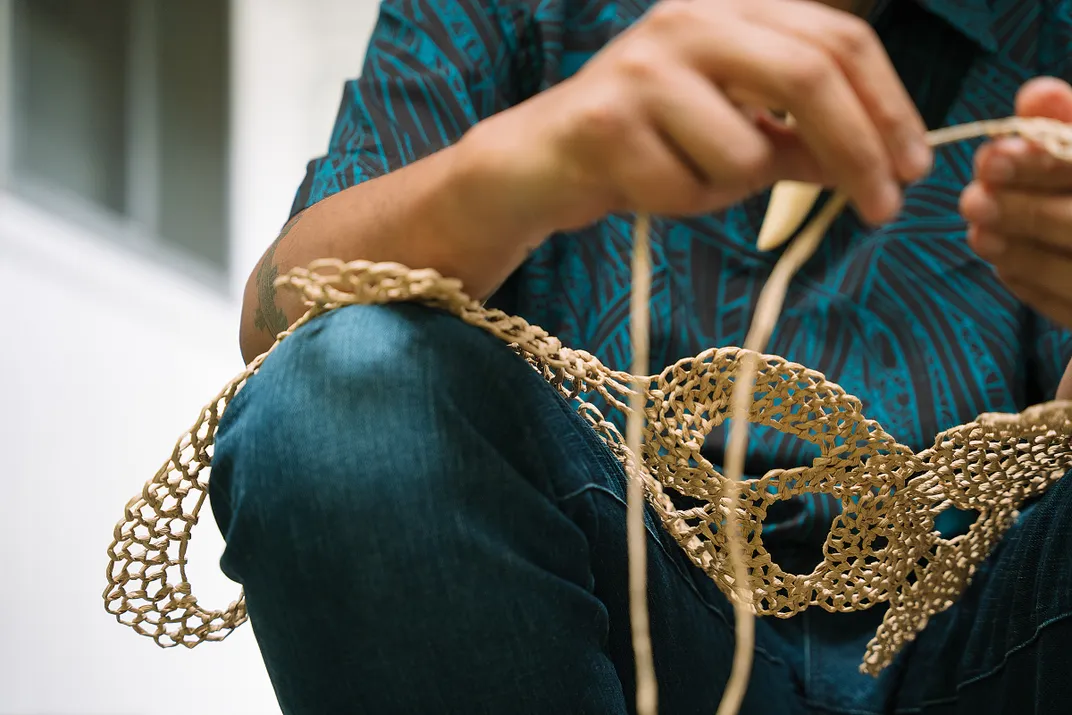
(905, 317)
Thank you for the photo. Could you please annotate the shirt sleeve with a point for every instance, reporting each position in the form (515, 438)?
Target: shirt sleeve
(432, 70)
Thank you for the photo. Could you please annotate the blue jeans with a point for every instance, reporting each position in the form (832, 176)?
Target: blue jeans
(422, 525)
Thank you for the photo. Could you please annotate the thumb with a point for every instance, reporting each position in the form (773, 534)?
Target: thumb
(1045, 97)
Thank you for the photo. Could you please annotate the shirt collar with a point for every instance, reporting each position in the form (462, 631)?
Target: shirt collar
(973, 18)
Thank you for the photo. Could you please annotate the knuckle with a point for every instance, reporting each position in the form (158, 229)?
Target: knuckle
(752, 160)
(807, 74)
(871, 158)
(1061, 226)
(605, 117)
(637, 62)
(670, 14)
(853, 39)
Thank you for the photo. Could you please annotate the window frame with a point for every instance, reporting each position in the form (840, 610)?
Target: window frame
(136, 230)
(7, 87)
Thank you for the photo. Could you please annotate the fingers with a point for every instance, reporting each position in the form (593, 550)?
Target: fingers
(1021, 260)
(703, 124)
(755, 59)
(1045, 219)
(1015, 163)
(1032, 254)
(1045, 97)
(649, 173)
(681, 163)
(691, 75)
(664, 182)
(734, 154)
(1020, 210)
(829, 117)
(1055, 306)
(860, 55)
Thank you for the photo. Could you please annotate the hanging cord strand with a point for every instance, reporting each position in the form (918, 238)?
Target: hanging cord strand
(640, 317)
(768, 308)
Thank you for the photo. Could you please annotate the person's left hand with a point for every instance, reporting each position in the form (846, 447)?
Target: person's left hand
(1019, 208)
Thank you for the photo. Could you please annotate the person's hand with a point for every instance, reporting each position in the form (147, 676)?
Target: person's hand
(1019, 208)
(670, 118)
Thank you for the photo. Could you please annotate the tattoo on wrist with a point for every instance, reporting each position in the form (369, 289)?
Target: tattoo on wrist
(268, 317)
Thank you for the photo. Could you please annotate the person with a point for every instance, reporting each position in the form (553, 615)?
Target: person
(422, 525)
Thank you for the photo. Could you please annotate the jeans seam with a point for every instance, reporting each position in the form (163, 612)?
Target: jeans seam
(585, 437)
(990, 672)
(591, 443)
(588, 488)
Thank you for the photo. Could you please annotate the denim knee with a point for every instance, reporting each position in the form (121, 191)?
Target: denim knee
(388, 487)
(373, 415)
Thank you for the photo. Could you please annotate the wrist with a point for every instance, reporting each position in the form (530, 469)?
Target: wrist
(479, 221)
(496, 180)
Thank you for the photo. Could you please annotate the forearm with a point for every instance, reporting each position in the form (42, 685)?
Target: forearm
(440, 212)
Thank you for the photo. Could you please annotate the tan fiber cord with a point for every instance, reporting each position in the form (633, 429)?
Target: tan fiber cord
(882, 547)
(640, 316)
(768, 308)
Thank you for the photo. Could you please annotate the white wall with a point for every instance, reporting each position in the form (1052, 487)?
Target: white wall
(105, 357)
(286, 97)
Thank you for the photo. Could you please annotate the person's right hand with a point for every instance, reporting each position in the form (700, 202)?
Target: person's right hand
(669, 118)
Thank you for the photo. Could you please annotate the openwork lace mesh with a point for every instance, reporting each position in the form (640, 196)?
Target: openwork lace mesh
(882, 548)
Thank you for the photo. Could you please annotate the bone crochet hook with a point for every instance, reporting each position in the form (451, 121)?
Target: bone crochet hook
(790, 203)
(791, 200)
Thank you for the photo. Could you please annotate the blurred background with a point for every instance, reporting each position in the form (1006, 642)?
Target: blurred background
(149, 152)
